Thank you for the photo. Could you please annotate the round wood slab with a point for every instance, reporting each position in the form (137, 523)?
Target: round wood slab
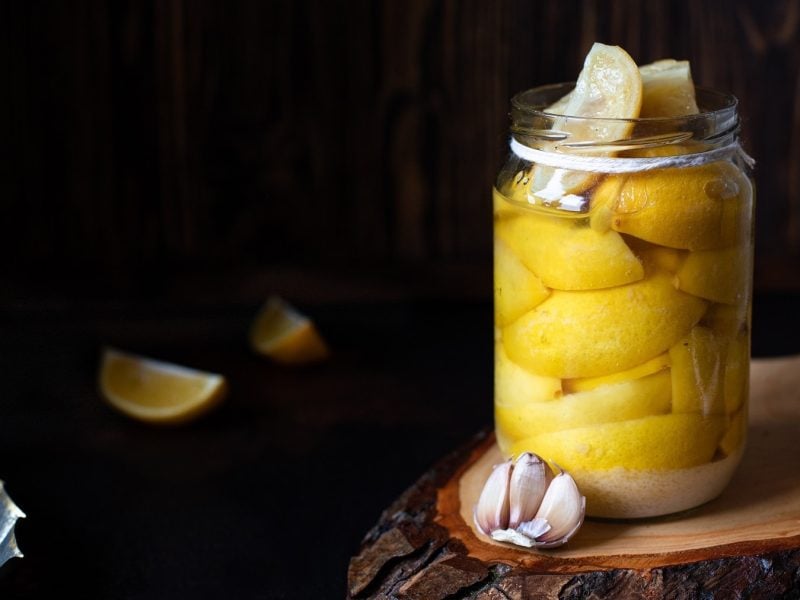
(745, 543)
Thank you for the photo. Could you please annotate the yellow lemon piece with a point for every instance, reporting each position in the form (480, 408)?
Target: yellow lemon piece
(736, 382)
(606, 404)
(591, 333)
(698, 363)
(516, 289)
(735, 435)
(717, 275)
(727, 320)
(661, 442)
(653, 365)
(667, 89)
(514, 385)
(659, 257)
(285, 335)
(694, 208)
(609, 87)
(156, 391)
(568, 255)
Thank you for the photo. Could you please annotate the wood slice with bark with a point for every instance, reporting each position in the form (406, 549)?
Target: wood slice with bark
(743, 544)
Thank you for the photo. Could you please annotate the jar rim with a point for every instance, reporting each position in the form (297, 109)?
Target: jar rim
(722, 103)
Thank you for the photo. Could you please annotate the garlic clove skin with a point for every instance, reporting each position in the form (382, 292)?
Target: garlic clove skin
(563, 507)
(514, 537)
(529, 481)
(534, 528)
(492, 510)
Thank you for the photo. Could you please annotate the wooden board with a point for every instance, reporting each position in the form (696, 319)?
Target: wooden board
(747, 541)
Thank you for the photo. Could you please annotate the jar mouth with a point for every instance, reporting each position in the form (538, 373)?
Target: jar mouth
(717, 121)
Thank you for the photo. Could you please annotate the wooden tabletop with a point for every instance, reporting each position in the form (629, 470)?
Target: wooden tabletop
(269, 496)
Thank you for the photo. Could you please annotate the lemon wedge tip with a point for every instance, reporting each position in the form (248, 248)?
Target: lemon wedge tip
(284, 334)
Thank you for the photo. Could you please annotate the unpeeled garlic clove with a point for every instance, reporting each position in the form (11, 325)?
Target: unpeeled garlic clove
(563, 507)
(529, 481)
(491, 512)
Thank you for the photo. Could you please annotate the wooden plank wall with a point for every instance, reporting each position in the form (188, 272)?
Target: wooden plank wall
(206, 135)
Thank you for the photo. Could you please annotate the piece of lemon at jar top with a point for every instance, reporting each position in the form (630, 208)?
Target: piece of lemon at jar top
(622, 296)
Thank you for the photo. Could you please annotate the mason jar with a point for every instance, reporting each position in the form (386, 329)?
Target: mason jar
(622, 288)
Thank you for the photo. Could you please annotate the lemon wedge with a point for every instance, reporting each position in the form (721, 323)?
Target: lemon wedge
(667, 89)
(694, 208)
(608, 87)
(659, 442)
(284, 334)
(157, 392)
(590, 333)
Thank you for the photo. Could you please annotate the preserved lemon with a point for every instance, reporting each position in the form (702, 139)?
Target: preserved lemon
(597, 332)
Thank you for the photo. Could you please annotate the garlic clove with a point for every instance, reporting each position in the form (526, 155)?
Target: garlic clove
(534, 528)
(529, 481)
(563, 507)
(491, 512)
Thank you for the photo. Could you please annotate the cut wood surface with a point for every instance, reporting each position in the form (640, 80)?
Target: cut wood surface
(747, 541)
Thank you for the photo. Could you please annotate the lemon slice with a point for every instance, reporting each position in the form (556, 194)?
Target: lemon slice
(157, 392)
(286, 335)
(667, 89)
(608, 87)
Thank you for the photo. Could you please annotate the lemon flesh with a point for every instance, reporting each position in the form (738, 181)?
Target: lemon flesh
(605, 404)
(591, 333)
(157, 391)
(661, 442)
(667, 89)
(567, 255)
(610, 87)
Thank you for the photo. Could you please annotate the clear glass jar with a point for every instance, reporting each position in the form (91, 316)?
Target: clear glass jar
(623, 299)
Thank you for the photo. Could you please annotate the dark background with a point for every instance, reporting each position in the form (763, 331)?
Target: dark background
(168, 164)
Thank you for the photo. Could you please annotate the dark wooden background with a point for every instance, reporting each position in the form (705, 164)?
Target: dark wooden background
(241, 146)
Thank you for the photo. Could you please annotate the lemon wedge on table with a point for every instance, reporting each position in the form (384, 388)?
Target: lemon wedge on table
(287, 336)
(155, 391)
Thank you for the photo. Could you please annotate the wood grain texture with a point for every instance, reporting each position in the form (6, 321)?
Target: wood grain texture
(176, 136)
(746, 543)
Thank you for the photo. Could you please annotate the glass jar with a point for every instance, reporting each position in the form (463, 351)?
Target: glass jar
(623, 285)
